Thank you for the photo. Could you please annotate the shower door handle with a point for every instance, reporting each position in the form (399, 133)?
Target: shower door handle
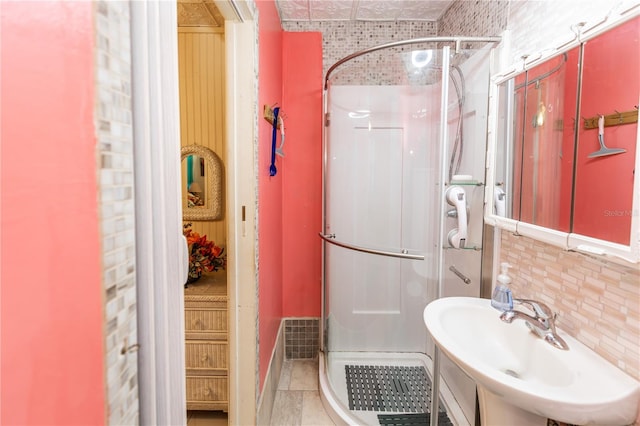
(403, 254)
(456, 197)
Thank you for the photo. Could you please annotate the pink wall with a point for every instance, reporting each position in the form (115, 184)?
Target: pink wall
(51, 317)
(552, 143)
(568, 143)
(270, 197)
(604, 186)
(302, 58)
(290, 203)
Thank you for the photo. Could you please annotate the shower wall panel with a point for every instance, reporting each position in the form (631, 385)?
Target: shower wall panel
(473, 140)
(382, 180)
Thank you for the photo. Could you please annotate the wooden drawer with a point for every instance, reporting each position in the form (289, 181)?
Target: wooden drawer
(207, 393)
(206, 349)
(206, 357)
(206, 324)
(205, 302)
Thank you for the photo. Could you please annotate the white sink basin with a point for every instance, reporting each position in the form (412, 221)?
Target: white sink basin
(522, 379)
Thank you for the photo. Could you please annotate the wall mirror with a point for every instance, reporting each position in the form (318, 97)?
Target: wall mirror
(201, 184)
(563, 140)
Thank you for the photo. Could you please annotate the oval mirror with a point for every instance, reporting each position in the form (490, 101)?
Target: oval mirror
(201, 184)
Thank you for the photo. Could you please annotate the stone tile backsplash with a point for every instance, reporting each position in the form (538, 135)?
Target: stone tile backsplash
(597, 302)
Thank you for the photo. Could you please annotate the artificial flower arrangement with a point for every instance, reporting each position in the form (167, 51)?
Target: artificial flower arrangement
(204, 255)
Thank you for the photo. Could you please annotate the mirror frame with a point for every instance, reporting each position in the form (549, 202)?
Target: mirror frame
(212, 209)
(619, 253)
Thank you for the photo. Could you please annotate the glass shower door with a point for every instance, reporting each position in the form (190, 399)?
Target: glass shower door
(382, 194)
(393, 143)
(374, 298)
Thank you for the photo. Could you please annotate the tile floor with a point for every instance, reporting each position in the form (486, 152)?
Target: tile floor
(297, 401)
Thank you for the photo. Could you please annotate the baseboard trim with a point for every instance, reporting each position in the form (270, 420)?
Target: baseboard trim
(268, 395)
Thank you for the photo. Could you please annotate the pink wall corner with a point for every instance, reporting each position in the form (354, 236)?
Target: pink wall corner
(568, 146)
(302, 215)
(52, 349)
(270, 200)
(609, 84)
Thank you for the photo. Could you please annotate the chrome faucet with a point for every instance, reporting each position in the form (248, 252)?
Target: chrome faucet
(542, 323)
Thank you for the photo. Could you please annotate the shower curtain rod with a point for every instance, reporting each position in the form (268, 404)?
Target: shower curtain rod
(457, 41)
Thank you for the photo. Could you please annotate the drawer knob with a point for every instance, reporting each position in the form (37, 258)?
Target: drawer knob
(198, 323)
(204, 357)
(207, 391)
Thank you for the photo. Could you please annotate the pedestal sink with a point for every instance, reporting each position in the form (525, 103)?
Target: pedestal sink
(523, 380)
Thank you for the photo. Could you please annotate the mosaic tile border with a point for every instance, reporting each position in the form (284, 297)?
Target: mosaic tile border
(114, 134)
(301, 338)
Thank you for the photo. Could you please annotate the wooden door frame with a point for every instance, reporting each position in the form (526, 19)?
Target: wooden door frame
(160, 247)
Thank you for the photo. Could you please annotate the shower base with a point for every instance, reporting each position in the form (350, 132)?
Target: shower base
(344, 394)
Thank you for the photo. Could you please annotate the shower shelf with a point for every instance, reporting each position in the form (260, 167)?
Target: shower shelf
(465, 183)
(476, 247)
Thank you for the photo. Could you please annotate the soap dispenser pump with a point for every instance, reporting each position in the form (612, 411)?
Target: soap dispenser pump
(502, 299)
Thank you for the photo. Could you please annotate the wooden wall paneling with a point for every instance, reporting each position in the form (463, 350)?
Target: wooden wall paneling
(202, 100)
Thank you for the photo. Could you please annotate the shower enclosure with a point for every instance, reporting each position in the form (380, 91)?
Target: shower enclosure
(404, 123)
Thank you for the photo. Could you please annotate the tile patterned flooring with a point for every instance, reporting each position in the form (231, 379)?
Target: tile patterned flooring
(297, 401)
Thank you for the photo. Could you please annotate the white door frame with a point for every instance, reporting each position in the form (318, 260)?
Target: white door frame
(160, 247)
(242, 113)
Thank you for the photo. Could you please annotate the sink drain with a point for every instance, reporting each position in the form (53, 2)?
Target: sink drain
(511, 373)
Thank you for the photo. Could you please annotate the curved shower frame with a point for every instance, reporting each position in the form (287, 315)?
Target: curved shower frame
(457, 41)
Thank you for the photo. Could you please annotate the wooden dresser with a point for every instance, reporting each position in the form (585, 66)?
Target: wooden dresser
(207, 350)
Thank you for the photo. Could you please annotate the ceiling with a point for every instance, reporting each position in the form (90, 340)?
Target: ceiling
(362, 10)
(199, 13)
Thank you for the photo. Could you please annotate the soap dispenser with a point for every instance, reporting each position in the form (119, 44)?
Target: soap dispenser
(502, 298)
